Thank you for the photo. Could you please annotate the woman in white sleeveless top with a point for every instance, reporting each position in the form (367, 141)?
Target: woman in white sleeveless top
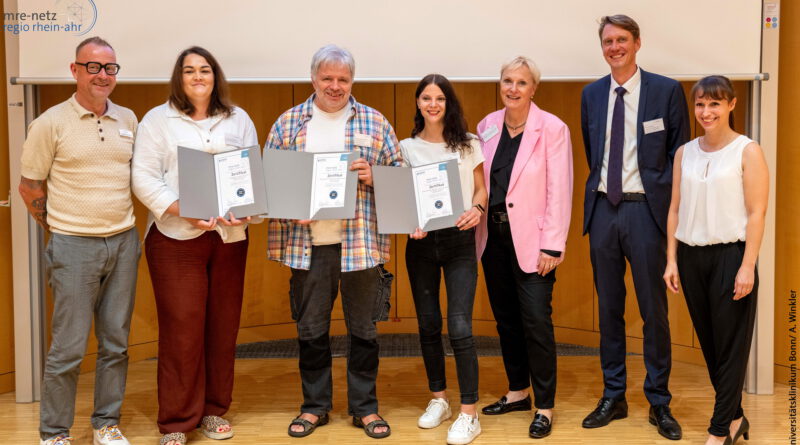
(715, 225)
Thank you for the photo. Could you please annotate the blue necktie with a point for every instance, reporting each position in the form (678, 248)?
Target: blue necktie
(614, 173)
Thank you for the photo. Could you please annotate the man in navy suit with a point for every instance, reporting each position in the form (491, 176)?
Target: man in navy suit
(633, 122)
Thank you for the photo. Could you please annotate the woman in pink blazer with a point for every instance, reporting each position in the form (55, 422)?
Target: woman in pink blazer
(522, 237)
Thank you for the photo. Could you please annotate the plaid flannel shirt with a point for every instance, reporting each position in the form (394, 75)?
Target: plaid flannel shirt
(362, 246)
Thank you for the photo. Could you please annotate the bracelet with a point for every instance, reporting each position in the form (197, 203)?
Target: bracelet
(480, 208)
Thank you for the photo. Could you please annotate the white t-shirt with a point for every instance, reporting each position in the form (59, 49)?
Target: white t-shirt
(324, 134)
(417, 151)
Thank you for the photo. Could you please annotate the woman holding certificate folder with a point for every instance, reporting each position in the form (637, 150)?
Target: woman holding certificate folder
(528, 173)
(197, 266)
(440, 134)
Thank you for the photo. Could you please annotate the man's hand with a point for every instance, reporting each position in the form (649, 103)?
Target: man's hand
(34, 194)
(364, 170)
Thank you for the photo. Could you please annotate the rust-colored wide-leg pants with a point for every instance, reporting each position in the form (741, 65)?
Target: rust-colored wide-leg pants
(198, 285)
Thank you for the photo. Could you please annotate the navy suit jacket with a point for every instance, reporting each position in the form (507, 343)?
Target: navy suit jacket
(659, 98)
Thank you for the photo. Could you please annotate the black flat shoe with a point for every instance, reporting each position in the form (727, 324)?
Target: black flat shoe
(661, 416)
(606, 411)
(502, 406)
(540, 427)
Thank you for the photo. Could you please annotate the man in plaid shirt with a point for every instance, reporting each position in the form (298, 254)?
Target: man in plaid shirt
(329, 255)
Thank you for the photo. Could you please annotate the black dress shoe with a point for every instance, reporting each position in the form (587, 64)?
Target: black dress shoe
(502, 406)
(606, 411)
(661, 416)
(540, 427)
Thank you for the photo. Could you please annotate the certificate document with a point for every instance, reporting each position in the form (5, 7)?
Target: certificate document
(432, 190)
(329, 178)
(234, 181)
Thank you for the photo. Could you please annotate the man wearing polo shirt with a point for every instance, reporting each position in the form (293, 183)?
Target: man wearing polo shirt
(76, 183)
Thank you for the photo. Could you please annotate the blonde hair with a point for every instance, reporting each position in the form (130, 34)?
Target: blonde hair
(519, 62)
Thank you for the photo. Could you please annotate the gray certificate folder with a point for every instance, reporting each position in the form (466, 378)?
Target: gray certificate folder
(288, 176)
(198, 185)
(396, 202)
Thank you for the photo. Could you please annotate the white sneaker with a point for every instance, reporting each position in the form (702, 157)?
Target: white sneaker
(438, 411)
(109, 435)
(464, 430)
(61, 439)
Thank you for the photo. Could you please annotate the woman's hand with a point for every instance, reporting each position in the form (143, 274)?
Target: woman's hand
(469, 219)
(418, 234)
(547, 263)
(202, 224)
(232, 221)
(743, 284)
(671, 277)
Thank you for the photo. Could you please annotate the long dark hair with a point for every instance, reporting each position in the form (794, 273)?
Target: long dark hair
(220, 95)
(717, 88)
(455, 126)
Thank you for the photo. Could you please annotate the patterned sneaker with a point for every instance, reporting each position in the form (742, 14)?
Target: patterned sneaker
(109, 435)
(464, 430)
(61, 439)
(438, 411)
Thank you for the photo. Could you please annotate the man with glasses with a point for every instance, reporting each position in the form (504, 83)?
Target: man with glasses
(76, 183)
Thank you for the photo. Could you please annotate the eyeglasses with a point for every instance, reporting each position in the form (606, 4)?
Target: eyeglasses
(94, 67)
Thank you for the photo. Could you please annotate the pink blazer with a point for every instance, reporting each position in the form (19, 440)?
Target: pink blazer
(539, 199)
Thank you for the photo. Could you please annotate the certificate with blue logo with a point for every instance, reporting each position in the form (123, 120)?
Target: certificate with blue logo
(215, 184)
(426, 196)
(329, 178)
(234, 181)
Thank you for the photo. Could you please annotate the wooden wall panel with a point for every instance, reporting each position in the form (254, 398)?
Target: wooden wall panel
(266, 309)
(8, 187)
(787, 233)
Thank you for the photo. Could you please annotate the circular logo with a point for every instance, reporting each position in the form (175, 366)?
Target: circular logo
(333, 194)
(240, 192)
(78, 16)
(438, 204)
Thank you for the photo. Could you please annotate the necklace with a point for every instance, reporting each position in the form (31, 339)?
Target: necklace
(513, 127)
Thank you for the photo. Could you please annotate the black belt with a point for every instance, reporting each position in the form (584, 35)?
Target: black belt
(627, 196)
(499, 217)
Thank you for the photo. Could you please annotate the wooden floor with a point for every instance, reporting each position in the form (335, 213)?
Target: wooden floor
(267, 396)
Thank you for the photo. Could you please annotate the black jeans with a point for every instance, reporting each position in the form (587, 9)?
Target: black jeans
(521, 304)
(365, 300)
(453, 251)
(724, 326)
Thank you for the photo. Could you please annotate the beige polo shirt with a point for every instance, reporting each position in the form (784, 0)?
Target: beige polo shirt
(86, 161)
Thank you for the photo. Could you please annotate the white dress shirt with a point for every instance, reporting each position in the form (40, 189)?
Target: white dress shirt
(631, 181)
(155, 162)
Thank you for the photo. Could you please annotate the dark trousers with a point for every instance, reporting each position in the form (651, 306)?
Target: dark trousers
(724, 326)
(365, 300)
(198, 285)
(453, 251)
(521, 304)
(616, 234)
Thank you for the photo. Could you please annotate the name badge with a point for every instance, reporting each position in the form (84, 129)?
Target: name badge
(489, 133)
(362, 140)
(125, 133)
(233, 140)
(653, 126)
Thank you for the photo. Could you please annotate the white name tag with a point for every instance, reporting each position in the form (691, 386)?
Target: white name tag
(653, 126)
(125, 133)
(489, 133)
(233, 140)
(362, 140)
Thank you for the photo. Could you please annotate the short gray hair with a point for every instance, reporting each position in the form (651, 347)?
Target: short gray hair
(519, 62)
(332, 54)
